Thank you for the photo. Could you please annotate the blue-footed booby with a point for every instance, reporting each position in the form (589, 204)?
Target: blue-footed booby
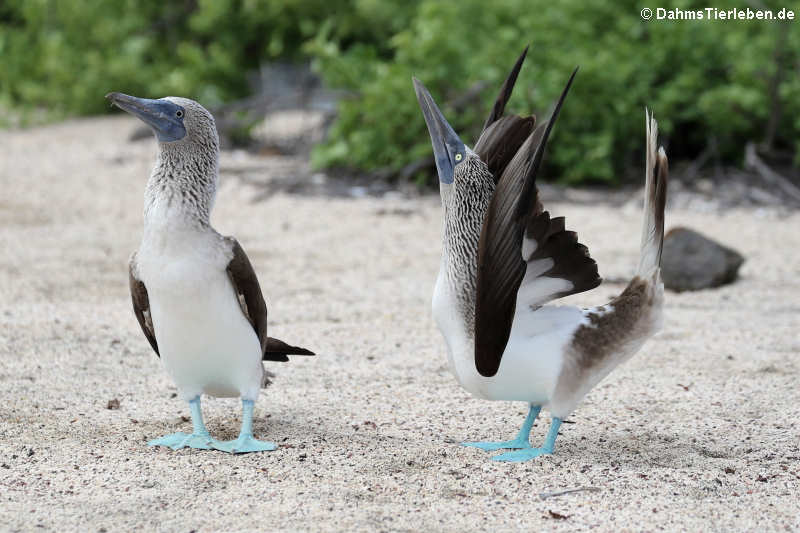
(504, 258)
(194, 291)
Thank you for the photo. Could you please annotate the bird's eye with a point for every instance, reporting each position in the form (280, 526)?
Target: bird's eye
(458, 157)
(179, 113)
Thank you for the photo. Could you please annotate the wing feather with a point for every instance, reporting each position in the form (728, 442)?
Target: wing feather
(523, 254)
(505, 91)
(141, 304)
(502, 136)
(251, 300)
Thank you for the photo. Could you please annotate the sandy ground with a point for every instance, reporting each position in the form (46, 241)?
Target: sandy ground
(699, 432)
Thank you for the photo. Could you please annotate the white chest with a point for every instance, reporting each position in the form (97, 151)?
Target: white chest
(459, 341)
(174, 259)
(206, 342)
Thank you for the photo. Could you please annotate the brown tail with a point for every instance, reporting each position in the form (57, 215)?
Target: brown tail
(655, 198)
(277, 350)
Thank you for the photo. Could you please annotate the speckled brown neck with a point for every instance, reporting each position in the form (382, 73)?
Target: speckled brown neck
(465, 204)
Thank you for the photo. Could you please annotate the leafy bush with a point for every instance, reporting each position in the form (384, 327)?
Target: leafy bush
(64, 56)
(705, 80)
(720, 83)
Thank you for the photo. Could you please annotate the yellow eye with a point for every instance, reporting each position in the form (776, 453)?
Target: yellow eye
(458, 157)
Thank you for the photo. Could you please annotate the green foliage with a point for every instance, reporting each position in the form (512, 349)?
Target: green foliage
(705, 80)
(65, 55)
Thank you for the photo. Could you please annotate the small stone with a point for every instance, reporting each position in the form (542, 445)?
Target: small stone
(113, 404)
(691, 261)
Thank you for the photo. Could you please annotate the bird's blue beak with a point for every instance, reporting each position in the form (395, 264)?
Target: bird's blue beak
(164, 117)
(447, 147)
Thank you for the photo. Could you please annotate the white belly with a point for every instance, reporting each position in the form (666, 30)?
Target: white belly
(533, 358)
(206, 343)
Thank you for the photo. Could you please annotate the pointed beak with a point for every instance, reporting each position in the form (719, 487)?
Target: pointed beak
(160, 115)
(146, 110)
(444, 139)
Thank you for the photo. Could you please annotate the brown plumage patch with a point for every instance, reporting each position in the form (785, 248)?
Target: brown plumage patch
(141, 305)
(251, 301)
(611, 337)
(248, 292)
(595, 342)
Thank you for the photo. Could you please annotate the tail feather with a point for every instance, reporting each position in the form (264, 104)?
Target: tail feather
(655, 199)
(277, 350)
(276, 347)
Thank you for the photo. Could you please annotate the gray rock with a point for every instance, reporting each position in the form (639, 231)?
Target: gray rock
(691, 261)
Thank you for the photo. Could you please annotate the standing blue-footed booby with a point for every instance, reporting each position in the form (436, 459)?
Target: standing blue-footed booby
(195, 294)
(504, 258)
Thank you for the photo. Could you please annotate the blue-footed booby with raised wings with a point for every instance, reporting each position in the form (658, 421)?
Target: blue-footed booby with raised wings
(194, 291)
(504, 258)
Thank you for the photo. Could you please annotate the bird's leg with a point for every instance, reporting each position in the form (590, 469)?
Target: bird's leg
(529, 453)
(200, 438)
(246, 442)
(520, 442)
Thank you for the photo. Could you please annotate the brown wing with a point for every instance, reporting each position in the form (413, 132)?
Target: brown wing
(505, 91)
(522, 252)
(502, 136)
(248, 291)
(251, 300)
(141, 304)
(500, 142)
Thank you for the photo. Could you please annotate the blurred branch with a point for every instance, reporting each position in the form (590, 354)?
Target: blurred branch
(699, 162)
(755, 163)
(774, 88)
(423, 164)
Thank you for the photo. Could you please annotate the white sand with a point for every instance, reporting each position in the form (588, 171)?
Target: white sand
(699, 431)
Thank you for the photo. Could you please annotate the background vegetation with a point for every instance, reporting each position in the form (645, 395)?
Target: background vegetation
(714, 85)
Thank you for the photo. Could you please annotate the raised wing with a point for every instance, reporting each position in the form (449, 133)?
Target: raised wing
(141, 304)
(505, 91)
(251, 300)
(523, 254)
(502, 136)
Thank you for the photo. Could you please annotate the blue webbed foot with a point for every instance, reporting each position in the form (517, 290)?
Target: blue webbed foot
(519, 456)
(521, 441)
(176, 441)
(516, 444)
(244, 444)
(199, 438)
